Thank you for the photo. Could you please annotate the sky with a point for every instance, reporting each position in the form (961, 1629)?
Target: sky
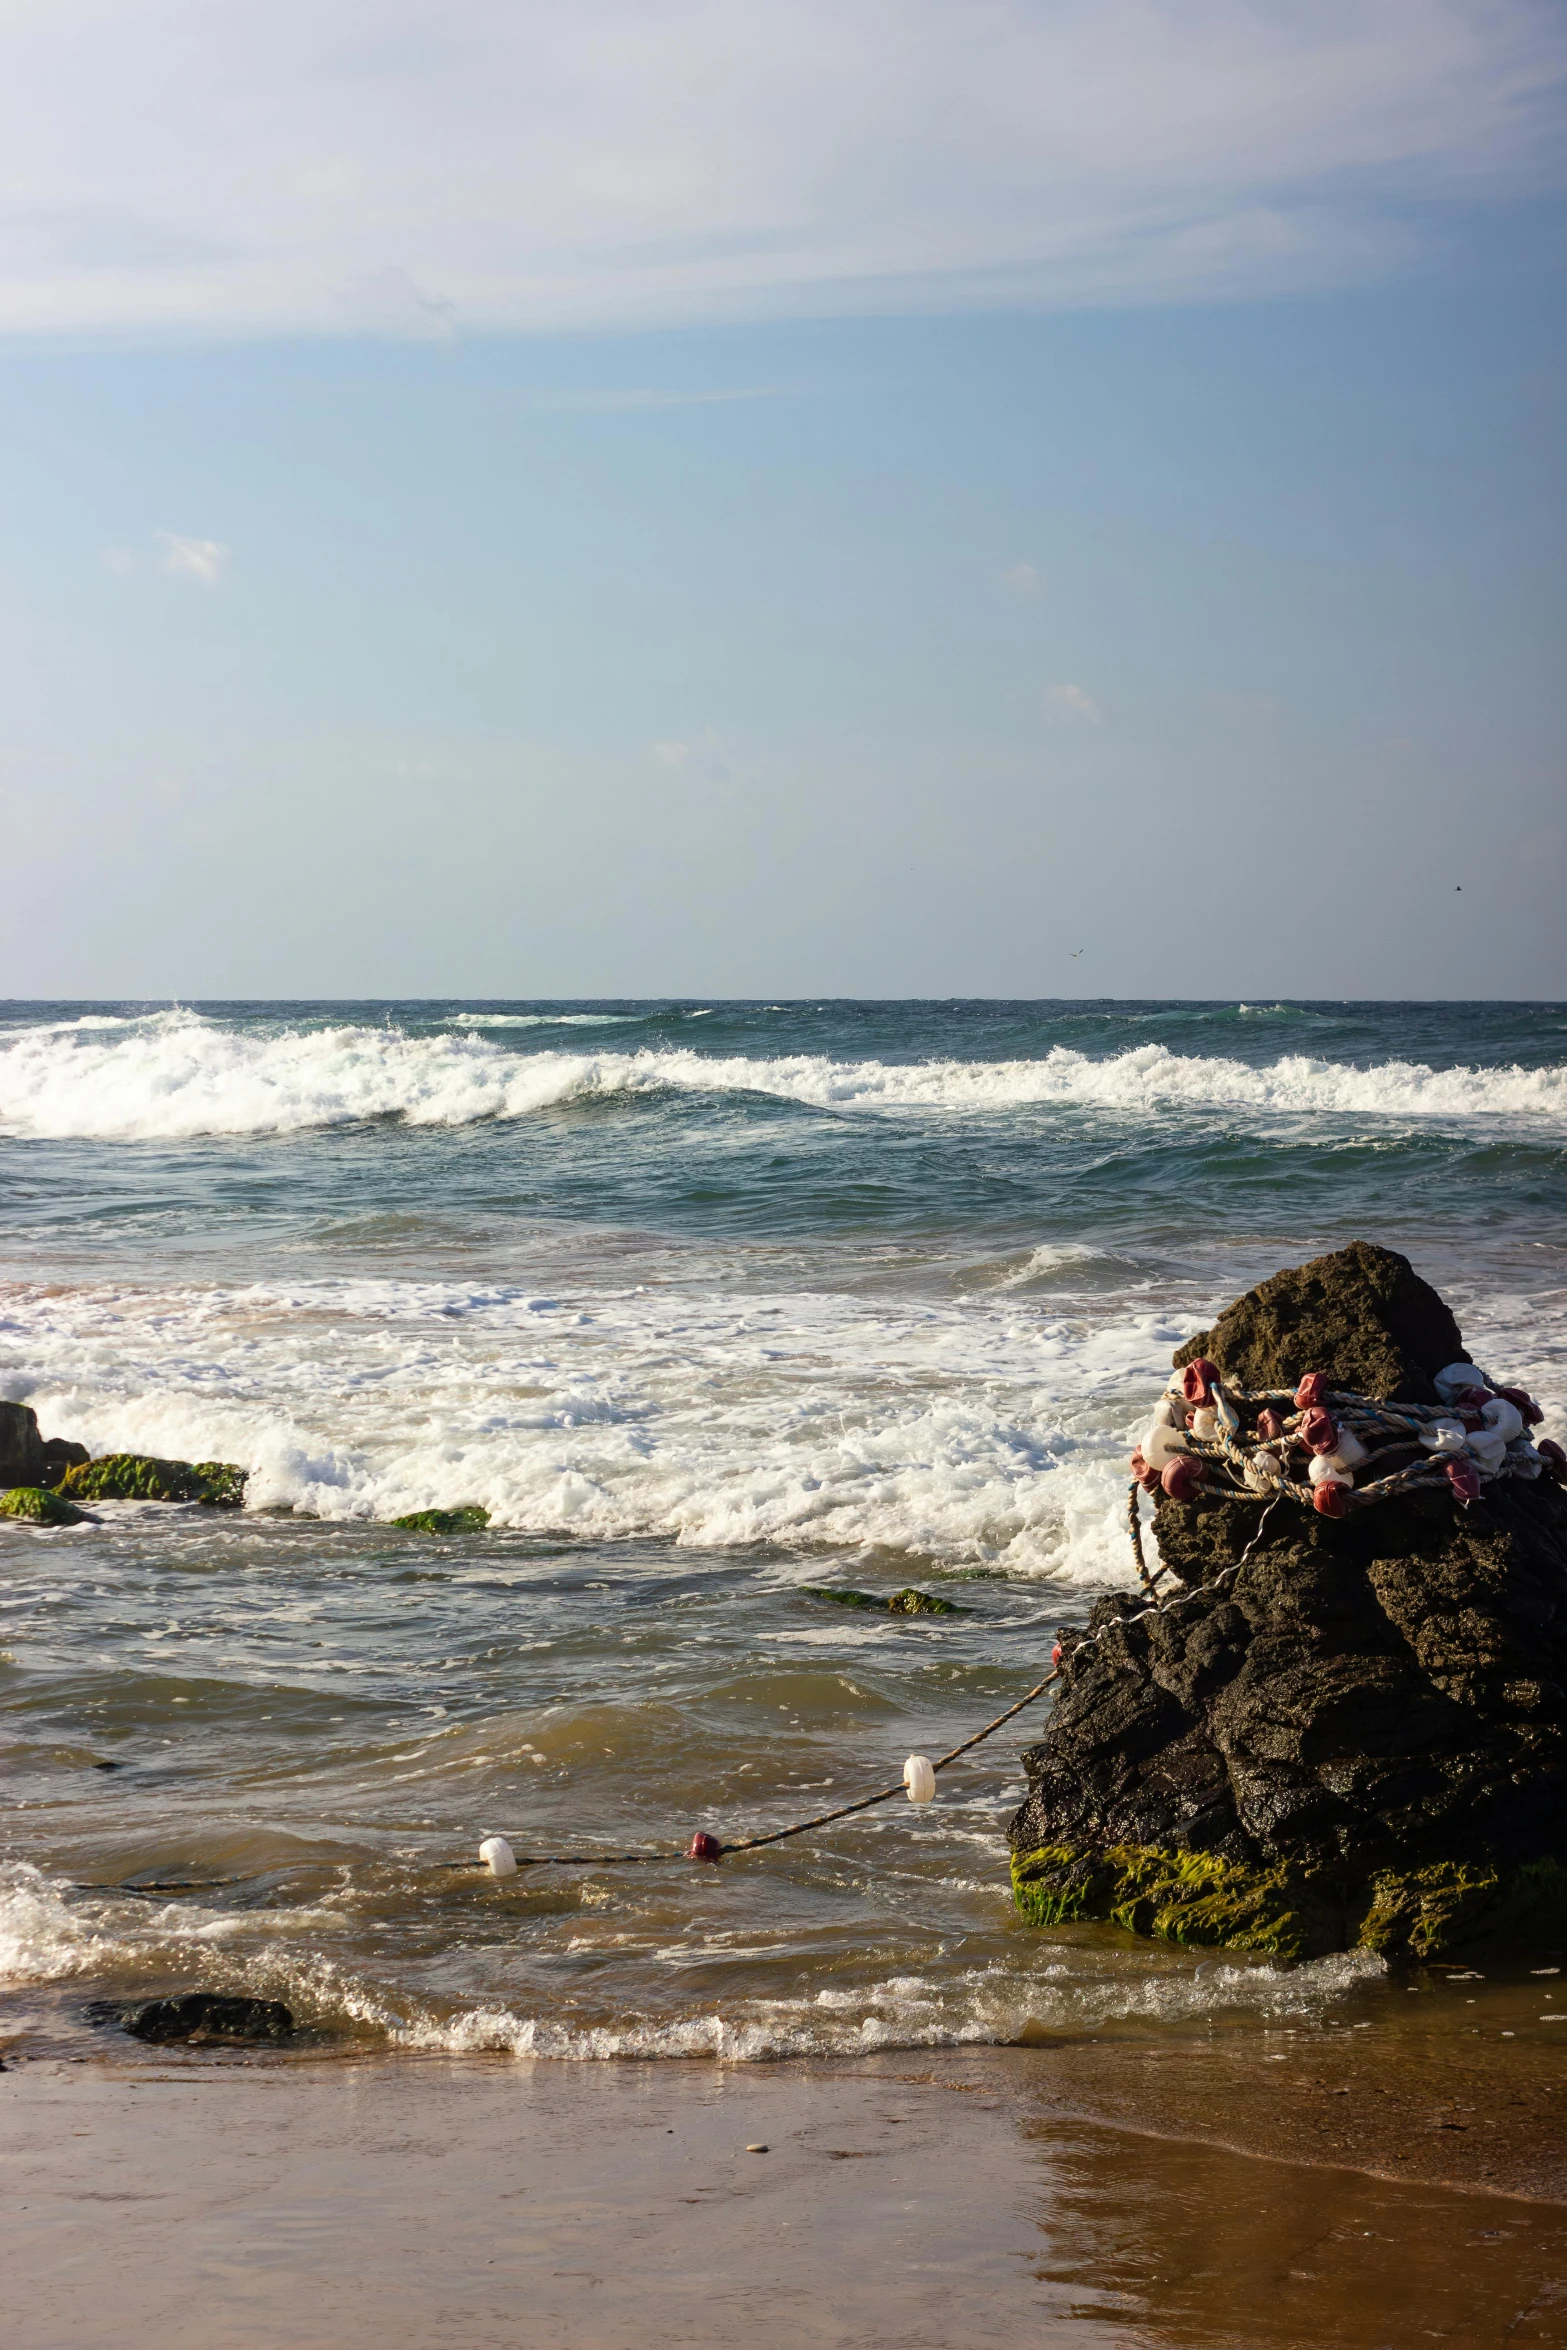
(1042, 497)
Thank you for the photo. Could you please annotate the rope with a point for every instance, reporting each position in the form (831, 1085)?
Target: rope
(845, 1811)
(1135, 1526)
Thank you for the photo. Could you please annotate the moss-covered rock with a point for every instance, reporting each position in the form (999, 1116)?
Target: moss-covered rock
(138, 1476)
(35, 1505)
(1455, 1909)
(1192, 1898)
(468, 1520)
(907, 1602)
(1466, 1908)
(225, 1482)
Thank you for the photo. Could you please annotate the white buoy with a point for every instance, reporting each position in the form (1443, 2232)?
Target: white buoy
(1344, 1459)
(1264, 1471)
(1325, 1470)
(1443, 1436)
(1456, 1378)
(1163, 1443)
(919, 1779)
(1502, 1419)
(498, 1857)
(1205, 1422)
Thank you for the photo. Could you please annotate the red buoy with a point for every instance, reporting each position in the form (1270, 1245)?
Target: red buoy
(1554, 1458)
(1523, 1404)
(704, 1847)
(1313, 1389)
(1269, 1423)
(1464, 1478)
(1330, 1499)
(1319, 1430)
(1147, 1478)
(1199, 1379)
(1182, 1476)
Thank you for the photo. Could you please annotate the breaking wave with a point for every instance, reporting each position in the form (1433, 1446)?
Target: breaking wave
(179, 1076)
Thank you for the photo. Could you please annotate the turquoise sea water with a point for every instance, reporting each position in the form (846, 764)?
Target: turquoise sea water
(704, 1303)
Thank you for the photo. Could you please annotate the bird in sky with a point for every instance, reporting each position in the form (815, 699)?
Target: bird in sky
(1072, 957)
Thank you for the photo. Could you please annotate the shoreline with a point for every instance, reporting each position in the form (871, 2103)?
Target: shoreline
(1118, 2191)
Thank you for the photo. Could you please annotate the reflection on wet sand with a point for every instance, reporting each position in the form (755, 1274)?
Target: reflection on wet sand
(1167, 2242)
(884, 2204)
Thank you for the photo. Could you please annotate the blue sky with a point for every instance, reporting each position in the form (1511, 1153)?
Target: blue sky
(782, 501)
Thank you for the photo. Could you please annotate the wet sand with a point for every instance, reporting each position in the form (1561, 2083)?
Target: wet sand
(1091, 2194)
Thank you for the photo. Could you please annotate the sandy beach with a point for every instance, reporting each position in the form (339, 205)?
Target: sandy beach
(1088, 2194)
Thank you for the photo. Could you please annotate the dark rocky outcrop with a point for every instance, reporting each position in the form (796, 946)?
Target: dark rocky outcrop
(21, 1447)
(1363, 1316)
(1362, 1735)
(204, 2016)
(56, 1455)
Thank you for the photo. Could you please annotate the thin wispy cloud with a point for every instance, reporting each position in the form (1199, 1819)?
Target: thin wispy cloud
(204, 560)
(1024, 581)
(699, 757)
(334, 166)
(1073, 702)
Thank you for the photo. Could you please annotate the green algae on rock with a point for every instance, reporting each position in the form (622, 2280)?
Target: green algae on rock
(907, 1602)
(468, 1520)
(35, 1505)
(1453, 1909)
(135, 1476)
(1189, 1897)
(1468, 1909)
(225, 1482)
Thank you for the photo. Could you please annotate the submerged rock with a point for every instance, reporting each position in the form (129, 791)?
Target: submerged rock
(35, 1505)
(468, 1520)
(907, 1602)
(136, 1476)
(56, 1455)
(198, 2016)
(1361, 1737)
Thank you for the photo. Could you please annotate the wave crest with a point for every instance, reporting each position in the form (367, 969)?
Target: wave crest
(180, 1076)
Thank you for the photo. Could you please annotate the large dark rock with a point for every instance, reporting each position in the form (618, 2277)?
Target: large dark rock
(56, 1455)
(1362, 1735)
(21, 1447)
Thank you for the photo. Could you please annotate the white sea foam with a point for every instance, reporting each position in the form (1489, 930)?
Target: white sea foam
(548, 1019)
(46, 1937)
(178, 1075)
(982, 1430)
(994, 2005)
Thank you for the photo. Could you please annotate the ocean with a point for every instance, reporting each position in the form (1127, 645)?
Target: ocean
(706, 1304)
